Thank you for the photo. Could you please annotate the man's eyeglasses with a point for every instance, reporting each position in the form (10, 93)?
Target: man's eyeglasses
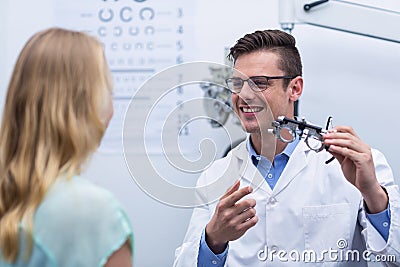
(256, 83)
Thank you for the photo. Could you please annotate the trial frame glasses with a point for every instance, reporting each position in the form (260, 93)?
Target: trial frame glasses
(256, 83)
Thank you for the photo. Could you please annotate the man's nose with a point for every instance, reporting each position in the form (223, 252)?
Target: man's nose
(246, 92)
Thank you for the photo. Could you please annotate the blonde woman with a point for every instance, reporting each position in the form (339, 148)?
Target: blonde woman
(57, 108)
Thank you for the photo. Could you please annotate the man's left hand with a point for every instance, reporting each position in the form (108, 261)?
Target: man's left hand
(357, 164)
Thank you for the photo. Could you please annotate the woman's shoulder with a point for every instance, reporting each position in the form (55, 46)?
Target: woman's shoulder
(77, 199)
(84, 217)
(76, 187)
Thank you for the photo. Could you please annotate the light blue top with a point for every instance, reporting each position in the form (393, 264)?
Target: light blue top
(271, 173)
(77, 224)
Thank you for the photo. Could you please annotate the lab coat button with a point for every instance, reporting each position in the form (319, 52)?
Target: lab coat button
(272, 201)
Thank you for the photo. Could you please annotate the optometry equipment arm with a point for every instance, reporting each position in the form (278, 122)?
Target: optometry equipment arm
(300, 128)
(354, 17)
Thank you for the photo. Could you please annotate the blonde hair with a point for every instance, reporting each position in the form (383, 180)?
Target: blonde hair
(51, 123)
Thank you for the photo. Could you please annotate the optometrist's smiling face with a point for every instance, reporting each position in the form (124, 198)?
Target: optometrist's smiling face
(255, 109)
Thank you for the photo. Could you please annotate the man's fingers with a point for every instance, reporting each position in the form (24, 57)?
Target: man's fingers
(245, 215)
(339, 157)
(245, 204)
(343, 129)
(346, 138)
(342, 152)
(247, 224)
(231, 189)
(236, 196)
(339, 135)
(350, 144)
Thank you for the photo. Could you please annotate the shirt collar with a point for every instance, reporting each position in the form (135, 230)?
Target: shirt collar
(288, 151)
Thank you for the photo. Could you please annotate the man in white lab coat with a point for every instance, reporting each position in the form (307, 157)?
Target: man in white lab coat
(304, 211)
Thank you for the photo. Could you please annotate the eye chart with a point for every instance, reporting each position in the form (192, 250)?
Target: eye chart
(140, 38)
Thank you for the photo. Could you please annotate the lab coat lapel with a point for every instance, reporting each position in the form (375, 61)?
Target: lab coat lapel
(248, 172)
(297, 162)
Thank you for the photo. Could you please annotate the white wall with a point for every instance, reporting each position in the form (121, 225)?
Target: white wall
(3, 51)
(354, 79)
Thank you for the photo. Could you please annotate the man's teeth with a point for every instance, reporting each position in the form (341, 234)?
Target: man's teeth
(252, 110)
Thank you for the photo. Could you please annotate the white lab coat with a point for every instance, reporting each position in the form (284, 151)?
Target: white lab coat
(311, 208)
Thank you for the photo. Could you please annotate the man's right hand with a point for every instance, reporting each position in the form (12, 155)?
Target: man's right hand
(231, 218)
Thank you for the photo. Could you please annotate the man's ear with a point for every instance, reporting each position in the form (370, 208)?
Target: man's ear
(296, 88)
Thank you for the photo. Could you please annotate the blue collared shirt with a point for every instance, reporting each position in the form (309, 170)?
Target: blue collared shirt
(271, 173)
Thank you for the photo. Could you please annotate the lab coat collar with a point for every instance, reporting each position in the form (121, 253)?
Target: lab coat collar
(249, 172)
(297, 162)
